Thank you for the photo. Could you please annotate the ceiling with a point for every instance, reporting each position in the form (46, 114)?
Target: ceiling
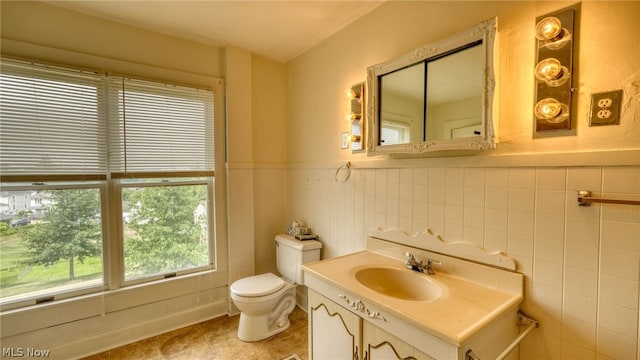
(277, 30)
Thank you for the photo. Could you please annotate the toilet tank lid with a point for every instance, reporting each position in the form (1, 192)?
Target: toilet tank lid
(304, 245)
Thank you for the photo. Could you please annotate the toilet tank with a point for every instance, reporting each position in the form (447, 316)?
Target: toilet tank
(292, 253)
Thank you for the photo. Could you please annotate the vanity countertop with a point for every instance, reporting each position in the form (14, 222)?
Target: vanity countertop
(463, 308)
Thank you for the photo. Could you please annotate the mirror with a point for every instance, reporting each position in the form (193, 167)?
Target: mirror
(438, 97)
(402, 109)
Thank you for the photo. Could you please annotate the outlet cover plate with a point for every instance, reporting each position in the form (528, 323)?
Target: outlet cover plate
(605, 108)
(344, 140)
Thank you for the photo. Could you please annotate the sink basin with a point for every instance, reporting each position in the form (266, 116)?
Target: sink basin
(399, 283)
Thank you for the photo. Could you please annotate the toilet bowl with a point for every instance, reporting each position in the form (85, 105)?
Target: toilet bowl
(266, 300)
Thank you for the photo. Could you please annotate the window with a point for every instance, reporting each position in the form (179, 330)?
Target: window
(101, 155)
(162, 160)
(165, 227)
(395, 133)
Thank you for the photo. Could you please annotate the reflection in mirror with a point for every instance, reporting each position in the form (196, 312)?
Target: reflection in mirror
(402, 106)
(454, 94)
(437, 97)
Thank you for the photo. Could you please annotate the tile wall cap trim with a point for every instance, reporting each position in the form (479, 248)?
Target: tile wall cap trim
(608, 158)
(241, 165)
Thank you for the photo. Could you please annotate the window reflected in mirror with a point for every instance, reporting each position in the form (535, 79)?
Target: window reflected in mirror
(402, 105)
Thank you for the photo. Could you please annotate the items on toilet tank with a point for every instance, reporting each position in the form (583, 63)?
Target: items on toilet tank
(300, 231)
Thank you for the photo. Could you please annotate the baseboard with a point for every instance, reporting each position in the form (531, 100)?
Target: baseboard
(124, 336)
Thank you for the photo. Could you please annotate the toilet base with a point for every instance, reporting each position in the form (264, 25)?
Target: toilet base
(260, 327)
(255, 328)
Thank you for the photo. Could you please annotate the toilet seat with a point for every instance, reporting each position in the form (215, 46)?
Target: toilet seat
(257, 285)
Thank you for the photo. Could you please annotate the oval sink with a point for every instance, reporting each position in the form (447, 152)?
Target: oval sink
(399, 283)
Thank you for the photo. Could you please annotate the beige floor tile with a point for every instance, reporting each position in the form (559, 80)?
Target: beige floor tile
(215, 339)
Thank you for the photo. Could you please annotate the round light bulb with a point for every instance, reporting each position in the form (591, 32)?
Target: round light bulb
(350, 94)
(548, 69)
(552, 72)
(551, 110)
(548, 28)
(352, 116)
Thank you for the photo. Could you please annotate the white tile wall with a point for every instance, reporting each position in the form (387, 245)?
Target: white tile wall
(582, 264)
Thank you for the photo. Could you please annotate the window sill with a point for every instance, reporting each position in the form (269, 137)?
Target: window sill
(52, 313)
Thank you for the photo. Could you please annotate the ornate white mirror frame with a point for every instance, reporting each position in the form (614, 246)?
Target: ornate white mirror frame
(484, 32)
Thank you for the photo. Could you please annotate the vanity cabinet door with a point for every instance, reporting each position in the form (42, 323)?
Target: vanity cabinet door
(380, 345)
(334, 332)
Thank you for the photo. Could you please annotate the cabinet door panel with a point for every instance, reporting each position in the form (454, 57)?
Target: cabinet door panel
(334, 331)
(380, 345)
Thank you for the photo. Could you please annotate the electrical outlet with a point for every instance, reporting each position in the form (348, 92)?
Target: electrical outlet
(605, 108)
(605, 103)
(604, 114)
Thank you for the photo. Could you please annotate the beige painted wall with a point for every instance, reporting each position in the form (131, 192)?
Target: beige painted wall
(396, 28)
(41, 24)
(269, 155)
(255, 150)
(581, 264)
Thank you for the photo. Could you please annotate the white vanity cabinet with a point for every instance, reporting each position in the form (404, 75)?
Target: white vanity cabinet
(334, 332)
(337, 333)
(380, 345)
(366, 305)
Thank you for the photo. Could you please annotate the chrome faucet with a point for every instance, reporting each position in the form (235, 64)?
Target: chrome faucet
(420, 266)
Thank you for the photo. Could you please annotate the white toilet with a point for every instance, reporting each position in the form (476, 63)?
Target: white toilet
(266, 300)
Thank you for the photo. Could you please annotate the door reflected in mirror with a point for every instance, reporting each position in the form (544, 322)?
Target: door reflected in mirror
(454, 95)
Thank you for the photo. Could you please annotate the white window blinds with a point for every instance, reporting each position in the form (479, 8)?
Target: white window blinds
(66, 124)
(51, 123)
(160, 128)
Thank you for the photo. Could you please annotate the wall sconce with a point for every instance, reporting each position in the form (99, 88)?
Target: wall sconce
(555, 45)
(355, 116)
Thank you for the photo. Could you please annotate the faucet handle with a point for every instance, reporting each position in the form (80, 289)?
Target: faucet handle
(428, 268)
(411, 262)
(432, 261)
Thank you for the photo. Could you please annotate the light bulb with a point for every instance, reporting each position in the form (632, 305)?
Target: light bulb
(552, 72)
(350, 94)
(551, 110)
(353, 116)
(551, 33)
(548, 28)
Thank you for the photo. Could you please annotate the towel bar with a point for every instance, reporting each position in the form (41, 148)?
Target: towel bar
(585, 199)
(522, 320)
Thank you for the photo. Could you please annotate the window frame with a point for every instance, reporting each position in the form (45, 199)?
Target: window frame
(119, 185)
(113, 262)
(57, 293)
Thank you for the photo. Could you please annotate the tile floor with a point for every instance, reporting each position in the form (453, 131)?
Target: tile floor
(216, 340)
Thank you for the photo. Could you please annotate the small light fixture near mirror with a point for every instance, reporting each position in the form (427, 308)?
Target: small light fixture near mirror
(355, 115)
(555, 45)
